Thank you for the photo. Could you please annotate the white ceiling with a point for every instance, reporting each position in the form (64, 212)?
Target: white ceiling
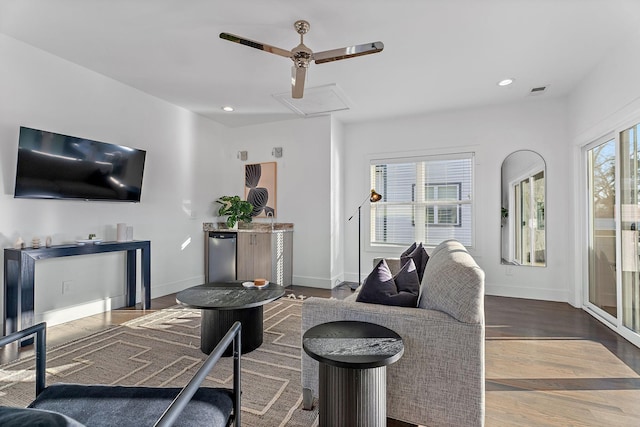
(438, 54)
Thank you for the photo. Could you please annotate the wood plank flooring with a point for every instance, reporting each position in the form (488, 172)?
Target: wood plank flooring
(547, 363)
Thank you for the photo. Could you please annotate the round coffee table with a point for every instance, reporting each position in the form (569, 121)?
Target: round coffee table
(353, 358)
(222, 304)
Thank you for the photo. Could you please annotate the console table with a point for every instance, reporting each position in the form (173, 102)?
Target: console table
(19, 275)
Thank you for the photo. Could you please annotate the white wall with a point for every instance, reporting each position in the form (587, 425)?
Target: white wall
(608, 96)
(304, 193)
(337, 203)
(46, 92)
(492, 133)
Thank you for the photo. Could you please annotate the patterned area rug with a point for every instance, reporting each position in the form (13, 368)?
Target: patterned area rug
(162, 349)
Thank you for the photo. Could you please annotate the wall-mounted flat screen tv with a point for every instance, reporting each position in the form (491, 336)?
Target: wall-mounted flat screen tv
(55, 166)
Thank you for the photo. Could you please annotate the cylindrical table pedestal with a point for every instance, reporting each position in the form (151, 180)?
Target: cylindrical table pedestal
(352, 397)
(216, 323)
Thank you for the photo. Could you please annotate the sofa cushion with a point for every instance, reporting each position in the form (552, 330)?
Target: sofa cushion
(419, 255)
(106, 406)
(20, 417)
(381, 287)
(453, 283)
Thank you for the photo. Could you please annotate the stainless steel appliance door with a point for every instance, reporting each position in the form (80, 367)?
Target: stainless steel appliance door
(222, 257)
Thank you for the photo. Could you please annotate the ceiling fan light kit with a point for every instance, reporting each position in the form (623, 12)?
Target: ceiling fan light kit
(302, 56)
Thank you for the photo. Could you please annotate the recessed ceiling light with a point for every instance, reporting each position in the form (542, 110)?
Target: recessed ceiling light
(505, 82)
(227, 108)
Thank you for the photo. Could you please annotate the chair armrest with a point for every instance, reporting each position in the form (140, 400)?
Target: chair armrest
(170, 416)
(41, 349)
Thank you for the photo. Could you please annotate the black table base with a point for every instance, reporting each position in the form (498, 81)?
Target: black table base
(361, 396)
(216, 323)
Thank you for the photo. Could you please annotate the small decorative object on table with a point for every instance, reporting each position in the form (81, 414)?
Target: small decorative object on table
(121, 232)
(47, 241)
(235, 209)
(92, 240)
(19, 244)
(35, 242)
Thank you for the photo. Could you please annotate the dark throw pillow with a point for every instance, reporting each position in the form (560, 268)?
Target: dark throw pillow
(407, 279)
(419, 256)
(410, 249)
(380, 287)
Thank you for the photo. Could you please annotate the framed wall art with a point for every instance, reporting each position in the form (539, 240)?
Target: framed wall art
(260, 188)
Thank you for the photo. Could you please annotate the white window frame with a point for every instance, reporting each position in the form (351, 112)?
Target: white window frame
(445, 203)
(420, 216)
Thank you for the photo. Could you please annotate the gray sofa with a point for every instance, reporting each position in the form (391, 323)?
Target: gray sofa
(439, 381)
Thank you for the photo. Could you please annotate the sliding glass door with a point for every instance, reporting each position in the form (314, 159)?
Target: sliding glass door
(613, 173)
(601, 168)
(630, 221)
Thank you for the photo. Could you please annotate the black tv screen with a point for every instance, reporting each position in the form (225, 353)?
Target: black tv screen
(55, 166)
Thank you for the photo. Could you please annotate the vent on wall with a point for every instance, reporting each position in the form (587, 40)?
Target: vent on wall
(538, 90)
(317, 101)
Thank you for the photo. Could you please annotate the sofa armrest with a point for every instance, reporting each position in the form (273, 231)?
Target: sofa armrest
(441, 354)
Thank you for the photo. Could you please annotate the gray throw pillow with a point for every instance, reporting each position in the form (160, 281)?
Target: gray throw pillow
(381, 287)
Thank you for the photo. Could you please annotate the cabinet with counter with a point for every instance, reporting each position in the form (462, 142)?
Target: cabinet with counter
(262, 251)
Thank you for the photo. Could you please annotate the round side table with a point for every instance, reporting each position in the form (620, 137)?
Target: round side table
(353, 358)
(222, 304)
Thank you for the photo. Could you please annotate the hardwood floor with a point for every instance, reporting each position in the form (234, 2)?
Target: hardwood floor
(547, 363)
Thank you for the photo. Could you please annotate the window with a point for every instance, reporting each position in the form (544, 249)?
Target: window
(426, 199)
(442, 214)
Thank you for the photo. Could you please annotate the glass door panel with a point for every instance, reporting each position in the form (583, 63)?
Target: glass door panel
(529, 195)
(630, 221)
(539, 240)
(525, 224)
(517, 223)
(602, 228)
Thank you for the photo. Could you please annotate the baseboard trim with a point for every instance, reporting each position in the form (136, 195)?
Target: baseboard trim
(312, 282)
(90, 308)
(556, 295)
(78, 311)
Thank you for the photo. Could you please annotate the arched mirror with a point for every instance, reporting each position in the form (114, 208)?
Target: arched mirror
(522, 212)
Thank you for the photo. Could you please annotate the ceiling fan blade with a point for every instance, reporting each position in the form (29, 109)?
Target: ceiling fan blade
(347, 52)
(298, 75)
(255, 45)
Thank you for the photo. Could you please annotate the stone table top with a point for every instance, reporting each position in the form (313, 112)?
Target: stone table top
(228, 296)
(351, 344)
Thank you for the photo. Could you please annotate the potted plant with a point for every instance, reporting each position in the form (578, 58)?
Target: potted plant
(235, 209)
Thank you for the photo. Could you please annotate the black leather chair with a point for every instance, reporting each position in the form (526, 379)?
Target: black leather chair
(101, 405)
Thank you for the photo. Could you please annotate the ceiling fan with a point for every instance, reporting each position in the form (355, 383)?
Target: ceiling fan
(301, 55)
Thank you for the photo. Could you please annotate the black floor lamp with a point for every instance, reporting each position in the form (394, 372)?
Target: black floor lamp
(373, 197)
